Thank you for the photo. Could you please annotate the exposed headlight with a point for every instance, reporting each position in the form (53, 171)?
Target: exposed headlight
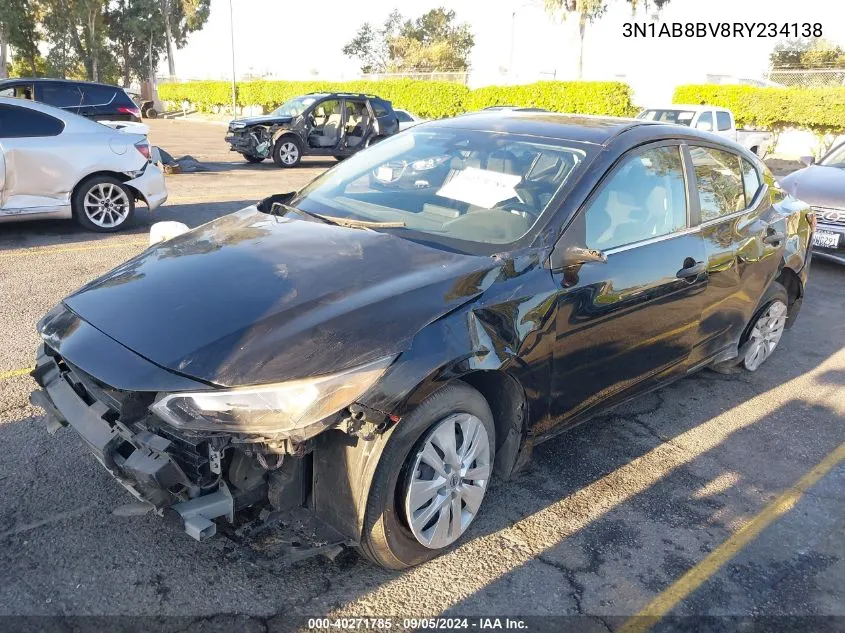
(237, 125)
(292, 409)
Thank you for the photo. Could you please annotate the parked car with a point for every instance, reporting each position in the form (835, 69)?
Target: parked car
(317, 124)
(717, 120)
(822, 185)
(406, 119)
(373, 358)
(54, 164)
(100, 102)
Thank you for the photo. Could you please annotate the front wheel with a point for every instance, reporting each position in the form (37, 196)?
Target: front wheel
(431, 479)
(287, 152)
(103, 204)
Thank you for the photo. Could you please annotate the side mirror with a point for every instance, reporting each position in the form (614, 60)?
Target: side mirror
(808, 160)
(568, 256)
(704, 125)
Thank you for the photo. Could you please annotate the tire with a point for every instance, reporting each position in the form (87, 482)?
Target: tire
(388, 538)
(287, 152)
(339, 158)
(150, 113)
(765, 329)
(90, 208)
(253, 159)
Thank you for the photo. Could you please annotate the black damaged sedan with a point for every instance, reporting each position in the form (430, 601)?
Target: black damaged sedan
(372, 351)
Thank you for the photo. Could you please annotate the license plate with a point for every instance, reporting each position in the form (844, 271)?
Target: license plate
(826, 239)
(385, 174)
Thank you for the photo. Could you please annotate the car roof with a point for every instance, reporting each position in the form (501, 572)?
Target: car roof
(582, 128)
(54, 80)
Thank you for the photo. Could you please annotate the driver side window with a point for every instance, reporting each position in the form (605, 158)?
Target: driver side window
(645, 197)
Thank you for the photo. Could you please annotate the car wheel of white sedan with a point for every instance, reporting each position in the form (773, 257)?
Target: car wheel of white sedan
(103, 204)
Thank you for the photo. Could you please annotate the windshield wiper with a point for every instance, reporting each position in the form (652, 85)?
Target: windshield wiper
(330, 219)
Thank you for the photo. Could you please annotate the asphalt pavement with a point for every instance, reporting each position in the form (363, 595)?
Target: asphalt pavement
(647, 507)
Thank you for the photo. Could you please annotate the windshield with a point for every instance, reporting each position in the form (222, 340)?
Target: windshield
(836, 158)
(678, 117)
(479, 187)
(293, 107)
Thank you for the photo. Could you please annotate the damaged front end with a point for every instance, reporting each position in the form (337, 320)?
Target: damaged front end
(193, 476)
(251, 140)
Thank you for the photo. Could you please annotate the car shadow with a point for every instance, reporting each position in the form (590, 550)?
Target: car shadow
(67, 233)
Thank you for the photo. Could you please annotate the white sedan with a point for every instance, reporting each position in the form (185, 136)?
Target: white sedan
(54, 164)
(406, 119)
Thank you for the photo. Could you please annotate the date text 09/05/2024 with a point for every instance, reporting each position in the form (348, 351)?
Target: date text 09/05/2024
(417, 624)
(722, 29)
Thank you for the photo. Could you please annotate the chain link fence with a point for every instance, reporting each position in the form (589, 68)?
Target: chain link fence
(802, 78)
(458, 77)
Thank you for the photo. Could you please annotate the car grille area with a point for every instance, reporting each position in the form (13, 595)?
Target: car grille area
(825, 215)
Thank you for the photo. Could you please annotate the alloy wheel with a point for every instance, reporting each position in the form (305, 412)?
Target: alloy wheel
(106, 205)
(288, 153)
(765, 335)
(448, 480)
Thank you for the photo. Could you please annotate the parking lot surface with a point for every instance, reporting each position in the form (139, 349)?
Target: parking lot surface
(608, 519)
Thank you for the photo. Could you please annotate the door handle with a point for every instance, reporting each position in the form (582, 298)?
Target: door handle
(691, 269)
(773, 237)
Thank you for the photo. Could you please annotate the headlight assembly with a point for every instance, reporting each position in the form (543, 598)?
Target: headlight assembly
(291, 409)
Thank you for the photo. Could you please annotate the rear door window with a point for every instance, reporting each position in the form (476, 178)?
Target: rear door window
(723, 121)
(60, 95)
(97, 95)
(18, 122)
(719, 181)
(645, 197)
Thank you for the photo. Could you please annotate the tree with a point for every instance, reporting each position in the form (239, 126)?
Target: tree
(180, 18)
(372, 46)
(431, 42)
(807, 54)
(136, 29)
(17, 31)
(588, 11)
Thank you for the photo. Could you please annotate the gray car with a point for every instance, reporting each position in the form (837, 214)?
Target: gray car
(55, 164)
(822, 186)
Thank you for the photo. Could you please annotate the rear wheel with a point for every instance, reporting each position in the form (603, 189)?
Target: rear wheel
(103, 204)
(431, 479)
(766, 328)
(287, 152)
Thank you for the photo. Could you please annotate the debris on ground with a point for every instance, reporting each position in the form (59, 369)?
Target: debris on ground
(169, 165)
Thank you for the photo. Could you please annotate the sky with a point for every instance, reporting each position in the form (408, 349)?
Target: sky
(303, 40)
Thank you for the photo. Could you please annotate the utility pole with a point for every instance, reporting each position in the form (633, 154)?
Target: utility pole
(232, 31)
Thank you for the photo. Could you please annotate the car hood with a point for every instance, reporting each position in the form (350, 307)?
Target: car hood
(267, 119)
(817, 185)
(252, 298)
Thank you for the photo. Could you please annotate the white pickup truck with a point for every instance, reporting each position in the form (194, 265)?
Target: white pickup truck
(717, 120)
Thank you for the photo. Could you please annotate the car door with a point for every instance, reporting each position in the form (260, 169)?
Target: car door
(630, 322)
(386, 121)
(34, 171)
(742, 248)
(357, 124)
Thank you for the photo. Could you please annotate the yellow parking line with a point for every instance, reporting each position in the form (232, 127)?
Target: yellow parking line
(15, 372)
(695, 577)
(49, 250)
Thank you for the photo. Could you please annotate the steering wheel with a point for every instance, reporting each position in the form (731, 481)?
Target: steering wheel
(525, 210)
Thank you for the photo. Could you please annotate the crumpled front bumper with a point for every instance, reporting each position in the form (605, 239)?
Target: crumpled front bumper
(139, 460)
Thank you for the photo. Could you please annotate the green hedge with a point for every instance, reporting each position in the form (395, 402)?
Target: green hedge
(611, 98)
(431, 99)
(821, 110)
